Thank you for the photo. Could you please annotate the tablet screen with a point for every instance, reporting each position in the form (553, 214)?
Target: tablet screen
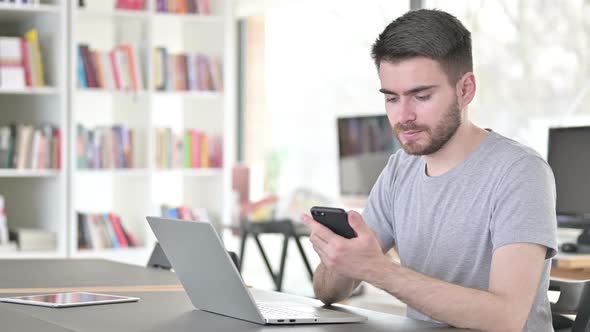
(69, 299)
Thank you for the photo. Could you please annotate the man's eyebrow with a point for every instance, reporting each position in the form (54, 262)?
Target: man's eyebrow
(409, 92)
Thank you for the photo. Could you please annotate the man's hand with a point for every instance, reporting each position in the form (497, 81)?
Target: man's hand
(356, 258)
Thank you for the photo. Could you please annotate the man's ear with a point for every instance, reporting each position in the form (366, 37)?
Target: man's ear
(465, 89)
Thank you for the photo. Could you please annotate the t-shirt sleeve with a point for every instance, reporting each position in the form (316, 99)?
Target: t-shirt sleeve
(524, 206)
(378, 213)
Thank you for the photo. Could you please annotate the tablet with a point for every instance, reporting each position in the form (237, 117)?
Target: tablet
(62, 300)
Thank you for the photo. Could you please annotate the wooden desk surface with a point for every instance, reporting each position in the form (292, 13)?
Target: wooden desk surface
(576, 267)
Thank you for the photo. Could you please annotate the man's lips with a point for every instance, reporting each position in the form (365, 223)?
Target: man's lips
(410, 134)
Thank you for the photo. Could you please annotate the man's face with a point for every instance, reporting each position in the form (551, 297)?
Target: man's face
(421, 105)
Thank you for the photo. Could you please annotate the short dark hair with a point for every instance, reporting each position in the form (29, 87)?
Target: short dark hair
(429, 33)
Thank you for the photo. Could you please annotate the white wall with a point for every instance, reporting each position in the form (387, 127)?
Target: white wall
(532, 63)
(318, 68)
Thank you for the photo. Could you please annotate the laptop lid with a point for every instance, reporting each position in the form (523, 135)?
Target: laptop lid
(204, 268)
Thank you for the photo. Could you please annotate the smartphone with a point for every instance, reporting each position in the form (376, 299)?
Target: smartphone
(333, 218)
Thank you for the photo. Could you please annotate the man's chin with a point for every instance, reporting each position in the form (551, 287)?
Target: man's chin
(414, 149)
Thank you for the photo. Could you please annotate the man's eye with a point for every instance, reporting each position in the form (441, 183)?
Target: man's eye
(391, 99)
(423, 98)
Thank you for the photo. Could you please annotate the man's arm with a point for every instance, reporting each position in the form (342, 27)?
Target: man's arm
(514, 279)
(330, 287)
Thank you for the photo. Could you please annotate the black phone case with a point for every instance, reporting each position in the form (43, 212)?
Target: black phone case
(335, 219)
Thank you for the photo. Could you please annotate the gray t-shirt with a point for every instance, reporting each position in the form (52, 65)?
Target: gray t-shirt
(448, 226)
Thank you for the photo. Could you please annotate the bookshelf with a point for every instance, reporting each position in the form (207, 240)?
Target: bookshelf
(138, 191)
(37, 198)
(30, 91)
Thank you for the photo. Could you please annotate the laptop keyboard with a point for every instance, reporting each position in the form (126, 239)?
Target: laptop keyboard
(270, 310)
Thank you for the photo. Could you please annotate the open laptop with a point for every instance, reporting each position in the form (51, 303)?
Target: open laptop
(213, 283)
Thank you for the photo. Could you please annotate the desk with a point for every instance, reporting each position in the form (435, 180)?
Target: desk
(156, 311)
(571, 266)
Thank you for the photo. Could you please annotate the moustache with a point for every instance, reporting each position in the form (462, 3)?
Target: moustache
(409, 126)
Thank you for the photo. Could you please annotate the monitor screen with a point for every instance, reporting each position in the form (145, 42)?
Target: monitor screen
(569, 157)
(365, 144)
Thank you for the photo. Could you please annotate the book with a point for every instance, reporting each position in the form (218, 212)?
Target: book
(23, 148)
(95, 233)
(205, 162)
(204, 8)
(186, 71)
(99, 69)
(118, 228)
(32, 239)
(4, 147)
(26, 61)
(82, 82)
(84, 239)
(32, 37)
(104, 147)
(3, 222)
(103, 231)
(195, 148)
(89, 70)
(12, 72)
(110, 230)
(10, 51)
(33, 156)
(56, 148)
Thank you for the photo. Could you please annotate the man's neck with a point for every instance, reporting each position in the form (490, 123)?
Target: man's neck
(456, 150)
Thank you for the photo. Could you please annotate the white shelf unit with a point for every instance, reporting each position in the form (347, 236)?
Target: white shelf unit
(18, 13)
(37, 198)
(135, 193)
(30, 91)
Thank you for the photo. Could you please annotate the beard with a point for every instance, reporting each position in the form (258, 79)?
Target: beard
(437, 137)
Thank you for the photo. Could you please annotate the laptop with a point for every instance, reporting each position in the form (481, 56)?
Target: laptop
(214, 284)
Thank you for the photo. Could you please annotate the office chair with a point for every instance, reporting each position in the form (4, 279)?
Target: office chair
(574, 299)
(159, 260)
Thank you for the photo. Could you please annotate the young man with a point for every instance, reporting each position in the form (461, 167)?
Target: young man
(470, 212)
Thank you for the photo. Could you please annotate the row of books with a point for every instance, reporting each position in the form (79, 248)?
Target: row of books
(30, 147)
(21, 61)
(193, 149)
(184, 6)
(184, 212)
(117, 69)
(104, 147)
(182, 72)
(364, 135)
(130, 4)
(103, 230)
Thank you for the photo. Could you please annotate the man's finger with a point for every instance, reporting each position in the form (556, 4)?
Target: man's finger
(321, 252)
(320, 230)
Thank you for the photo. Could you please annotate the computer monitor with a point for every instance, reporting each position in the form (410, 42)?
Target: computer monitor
(569, 156)
(365, 145)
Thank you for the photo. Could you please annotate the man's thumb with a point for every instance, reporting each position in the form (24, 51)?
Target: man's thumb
(356, 222)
